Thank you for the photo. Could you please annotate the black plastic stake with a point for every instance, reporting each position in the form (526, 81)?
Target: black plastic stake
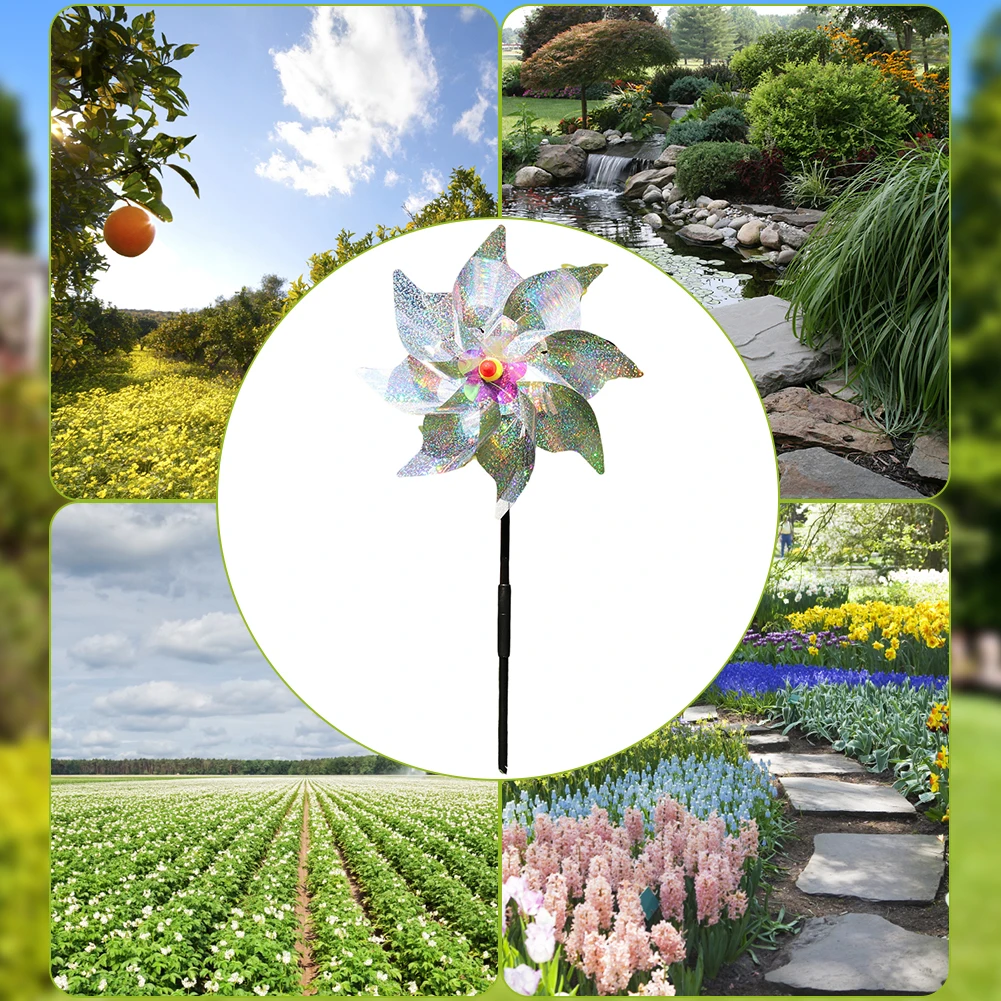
(503, 639)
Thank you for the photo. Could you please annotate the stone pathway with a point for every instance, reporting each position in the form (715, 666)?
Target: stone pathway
(809, 764)
(695, 714)
(905, 867)
(816, 426)
(767, 742)
(852, 952)
(863, 954)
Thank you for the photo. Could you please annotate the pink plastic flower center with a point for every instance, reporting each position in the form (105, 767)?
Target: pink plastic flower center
(490, 369)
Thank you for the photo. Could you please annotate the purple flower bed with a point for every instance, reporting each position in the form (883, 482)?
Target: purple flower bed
(795, 639)
(752, 678)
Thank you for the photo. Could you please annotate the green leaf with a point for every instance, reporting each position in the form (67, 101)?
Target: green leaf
(183, 51)
(187, 176)
(157, 208)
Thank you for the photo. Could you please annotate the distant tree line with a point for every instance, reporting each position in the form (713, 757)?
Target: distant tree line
(363, 764)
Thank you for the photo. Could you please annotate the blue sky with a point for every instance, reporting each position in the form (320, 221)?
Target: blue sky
(308, 120)
(150, 657)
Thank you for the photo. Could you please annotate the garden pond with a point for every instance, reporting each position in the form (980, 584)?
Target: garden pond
(716, 276)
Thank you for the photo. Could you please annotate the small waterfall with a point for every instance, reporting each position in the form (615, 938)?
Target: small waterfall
(607, 171)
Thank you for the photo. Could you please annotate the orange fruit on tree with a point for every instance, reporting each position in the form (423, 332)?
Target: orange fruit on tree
(129, 231)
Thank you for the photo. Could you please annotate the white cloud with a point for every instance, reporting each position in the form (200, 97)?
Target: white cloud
(367, 76)
(488, 74)
(467, 13)
(391, 178)
(211, 639)
(432, 183)
(96, 739)
(167, 698)
(104, 650)
(470, 122)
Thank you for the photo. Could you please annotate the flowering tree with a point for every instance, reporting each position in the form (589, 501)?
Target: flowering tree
(589, 53)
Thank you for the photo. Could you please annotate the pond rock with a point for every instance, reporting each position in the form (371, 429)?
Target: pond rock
(792, 235)
(718, 204)
(750, 232)
(669, 156)
(701, 214)
(799, 217)
(636, 184)
(753, 208)
(507, 191)
(712, 219)
(532, 177)
(653, 194)
(588, 139)
(815, 472)
(770, 238)
(802, 418)
(785, 256)
(680, 111)
(930, 457)
(701, 235)
(653, 220)
(565, 162)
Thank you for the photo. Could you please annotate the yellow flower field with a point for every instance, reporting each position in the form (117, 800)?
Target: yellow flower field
(154, 430)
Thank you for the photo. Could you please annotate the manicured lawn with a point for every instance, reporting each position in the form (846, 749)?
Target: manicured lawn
(549, 110)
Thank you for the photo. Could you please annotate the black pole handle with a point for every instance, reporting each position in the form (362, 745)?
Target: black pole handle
(503, 641)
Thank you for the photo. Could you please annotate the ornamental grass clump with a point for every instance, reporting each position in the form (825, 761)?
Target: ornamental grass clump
(873, 279)
(611, 909)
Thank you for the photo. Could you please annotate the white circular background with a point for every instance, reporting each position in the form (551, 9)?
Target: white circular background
(374, 596)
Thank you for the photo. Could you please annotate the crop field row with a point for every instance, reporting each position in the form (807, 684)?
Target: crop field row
(263, 886)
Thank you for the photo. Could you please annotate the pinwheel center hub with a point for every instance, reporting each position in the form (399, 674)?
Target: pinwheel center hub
(490, 369)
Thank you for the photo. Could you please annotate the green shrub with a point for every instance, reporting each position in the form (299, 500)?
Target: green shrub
(716, 97)
(833, 109)
(688, 132)
(511, 81)
(725, 125)
(774, 51)
(660, 84)
(605, 117)
(689, 89)
(710, 168)
(875, 278)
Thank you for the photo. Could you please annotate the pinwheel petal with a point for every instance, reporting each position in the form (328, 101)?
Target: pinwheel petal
(550, 300)
(482, 288)
(451, 439)
(583, 361)
(508, 453)
(412, 386)
(564, 421)
(424, 320)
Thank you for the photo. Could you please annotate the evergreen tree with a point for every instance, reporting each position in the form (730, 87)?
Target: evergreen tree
(703, 32)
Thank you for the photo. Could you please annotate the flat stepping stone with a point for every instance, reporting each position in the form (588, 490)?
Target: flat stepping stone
(900, 867)
(809, 764)
(693, 714)
(810, 795)
(815, 472)
(863, 954)
(773, 354)
(767, 742)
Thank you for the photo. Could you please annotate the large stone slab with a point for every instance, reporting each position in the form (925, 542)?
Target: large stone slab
(798, 416)
(773, 354)
(565, 162)
(767, 742)
(693, 714)
(810, 795)
(863, 954)
(799, 217)
(815, 472)
(901, 867)
(700, 235)
(930, 457)
(809, 764)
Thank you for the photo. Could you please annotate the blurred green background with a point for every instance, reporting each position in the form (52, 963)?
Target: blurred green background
(972, 499)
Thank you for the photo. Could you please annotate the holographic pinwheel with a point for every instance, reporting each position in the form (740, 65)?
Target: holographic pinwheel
(500, 366)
